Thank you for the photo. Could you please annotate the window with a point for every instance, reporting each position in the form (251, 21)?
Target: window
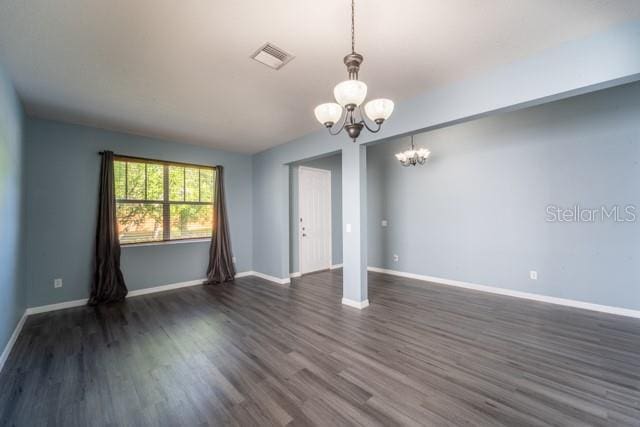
(162, 201)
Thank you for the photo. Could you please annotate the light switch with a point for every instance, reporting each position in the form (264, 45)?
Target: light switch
(347, 228)
(383, 223)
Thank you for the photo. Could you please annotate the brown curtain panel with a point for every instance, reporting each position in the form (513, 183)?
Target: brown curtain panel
(221, 267)
(108, 283)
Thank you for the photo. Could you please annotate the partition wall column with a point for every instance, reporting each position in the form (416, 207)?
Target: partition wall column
(354, 222)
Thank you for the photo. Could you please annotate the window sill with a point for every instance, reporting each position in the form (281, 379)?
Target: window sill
(170, 242)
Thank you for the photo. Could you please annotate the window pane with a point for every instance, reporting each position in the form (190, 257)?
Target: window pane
(155, 181)
(191, 221)
(176, 183)
(119, 177)
(206, 185)
(135, 181)
(139, 222)
(191, 185)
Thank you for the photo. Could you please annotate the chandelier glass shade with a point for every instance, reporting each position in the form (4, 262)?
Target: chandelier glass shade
(328, 113)
(350, 92)
(350, 95)
(379, 109)
(413, 157)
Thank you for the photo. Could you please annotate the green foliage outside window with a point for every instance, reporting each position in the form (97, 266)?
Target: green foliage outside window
(143, 213)
(155, 182)
(176, 183)
(191, 185)
(120, 174)
(206, 185)
(136, 181)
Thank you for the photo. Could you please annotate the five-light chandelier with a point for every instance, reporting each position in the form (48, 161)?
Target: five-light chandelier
(413, 157)
(350, 94)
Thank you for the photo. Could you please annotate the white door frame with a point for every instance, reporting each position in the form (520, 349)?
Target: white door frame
(327, 172)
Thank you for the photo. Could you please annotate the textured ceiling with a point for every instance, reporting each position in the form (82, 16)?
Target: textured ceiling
(181, 70)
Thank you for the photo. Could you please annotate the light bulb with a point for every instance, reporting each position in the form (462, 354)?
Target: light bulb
(423, 152)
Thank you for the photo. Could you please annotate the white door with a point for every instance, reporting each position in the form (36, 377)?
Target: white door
(314, 222)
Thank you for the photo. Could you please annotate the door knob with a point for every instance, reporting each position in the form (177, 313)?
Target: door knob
(304, 235)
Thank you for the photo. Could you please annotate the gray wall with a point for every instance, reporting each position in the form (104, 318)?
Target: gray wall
(531, 81)
(331, 163)
(605, 59)
(63, 167)
(12, 289)
(477, 211)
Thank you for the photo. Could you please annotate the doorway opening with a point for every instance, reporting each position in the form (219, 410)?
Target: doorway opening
(315, 215)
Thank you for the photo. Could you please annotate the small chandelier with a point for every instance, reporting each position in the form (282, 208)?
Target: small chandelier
(350, 94)
(413, 157)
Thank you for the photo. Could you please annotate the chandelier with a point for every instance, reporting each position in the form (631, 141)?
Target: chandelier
(413, 157)
(350, 94)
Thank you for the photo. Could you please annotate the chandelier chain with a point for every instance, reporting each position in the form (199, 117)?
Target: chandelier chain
(353, 26)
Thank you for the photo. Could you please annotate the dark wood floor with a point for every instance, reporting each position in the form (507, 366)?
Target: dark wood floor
(255, 353)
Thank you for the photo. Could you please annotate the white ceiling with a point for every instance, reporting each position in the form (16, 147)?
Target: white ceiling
(181, 70)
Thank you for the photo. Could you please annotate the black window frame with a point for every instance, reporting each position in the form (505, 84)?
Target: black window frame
(166, 202)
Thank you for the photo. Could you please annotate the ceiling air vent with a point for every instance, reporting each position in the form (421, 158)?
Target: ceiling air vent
(272, 56)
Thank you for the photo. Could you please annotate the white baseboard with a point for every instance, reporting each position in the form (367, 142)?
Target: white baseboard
(355, 304)
(133, 293)
(163, 288)
(57, 306)
(298, 274)
(517, 294)
(12, 340)
(274, 279)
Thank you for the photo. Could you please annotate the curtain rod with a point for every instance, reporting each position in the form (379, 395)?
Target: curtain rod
(146, 159)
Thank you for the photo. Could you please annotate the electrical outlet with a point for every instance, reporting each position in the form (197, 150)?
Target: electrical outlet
(57, 283)
(384, 223)
(533, 275)
(396, 258)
